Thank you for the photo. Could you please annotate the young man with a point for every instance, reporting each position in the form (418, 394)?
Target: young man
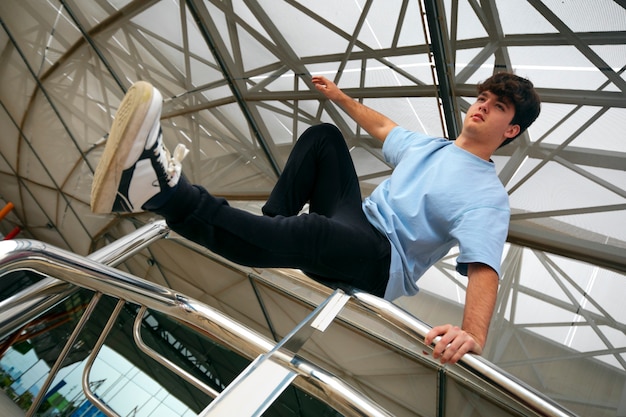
(440, 194)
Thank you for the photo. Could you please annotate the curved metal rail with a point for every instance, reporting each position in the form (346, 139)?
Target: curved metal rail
(30, 303)
(143, 346)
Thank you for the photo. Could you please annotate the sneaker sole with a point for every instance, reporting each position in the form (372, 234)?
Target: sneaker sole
(127, 124)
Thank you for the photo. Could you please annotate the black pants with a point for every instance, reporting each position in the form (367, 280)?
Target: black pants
(334, 242)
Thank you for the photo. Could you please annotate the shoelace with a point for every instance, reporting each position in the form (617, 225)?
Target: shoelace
(174, 161)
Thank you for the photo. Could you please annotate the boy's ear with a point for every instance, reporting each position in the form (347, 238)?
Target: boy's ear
(512, 131)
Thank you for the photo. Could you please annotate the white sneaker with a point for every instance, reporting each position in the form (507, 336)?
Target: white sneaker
(135, 165)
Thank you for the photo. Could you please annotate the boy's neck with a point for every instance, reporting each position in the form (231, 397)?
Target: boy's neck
(480, 149)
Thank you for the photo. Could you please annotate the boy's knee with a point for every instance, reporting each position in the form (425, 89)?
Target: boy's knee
(323, 131)
(327, 128)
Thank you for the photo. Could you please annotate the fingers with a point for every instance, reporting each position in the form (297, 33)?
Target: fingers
(453, 343)
(324, 85)
(319, 79)
(320, 82)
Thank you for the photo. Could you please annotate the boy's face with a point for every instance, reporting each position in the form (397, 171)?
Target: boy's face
(491, 116)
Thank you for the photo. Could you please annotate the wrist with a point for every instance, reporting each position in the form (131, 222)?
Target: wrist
(479, 343)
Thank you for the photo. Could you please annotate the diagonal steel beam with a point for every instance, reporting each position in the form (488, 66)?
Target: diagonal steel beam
(584, 48)
(435, 15)
(201, 17)
(535, 236)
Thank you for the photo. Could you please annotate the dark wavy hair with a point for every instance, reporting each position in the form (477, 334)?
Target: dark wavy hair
(518, 91)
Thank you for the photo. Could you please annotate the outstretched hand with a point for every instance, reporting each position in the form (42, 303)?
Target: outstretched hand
(327, 87)
(374, 123)
(454, 343)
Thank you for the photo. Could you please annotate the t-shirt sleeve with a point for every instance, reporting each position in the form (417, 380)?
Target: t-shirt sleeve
(399, 140)
(481, 234)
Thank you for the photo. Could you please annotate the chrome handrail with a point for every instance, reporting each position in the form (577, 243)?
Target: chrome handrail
(26, 305)
(87, 273)
(64, 352)
(92, 358)
(164, 361)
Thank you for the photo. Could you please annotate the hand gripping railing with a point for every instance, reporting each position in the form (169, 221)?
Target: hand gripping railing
(497, 379)
(91, 274)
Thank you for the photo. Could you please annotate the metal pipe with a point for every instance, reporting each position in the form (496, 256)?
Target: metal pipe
(92, 358)
(66, 350)
(21, 308)
(6, 210)
(164, 361)
(30, 303)
(123, 248)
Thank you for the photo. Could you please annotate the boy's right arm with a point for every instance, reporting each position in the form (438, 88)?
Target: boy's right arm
(374, 123)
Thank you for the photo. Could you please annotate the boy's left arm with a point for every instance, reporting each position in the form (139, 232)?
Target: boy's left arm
(480, 300)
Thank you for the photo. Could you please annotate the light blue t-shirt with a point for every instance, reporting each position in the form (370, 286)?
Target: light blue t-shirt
(438, 196)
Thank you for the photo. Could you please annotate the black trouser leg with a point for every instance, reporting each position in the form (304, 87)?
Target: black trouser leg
(334, 242)
(319, 171)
